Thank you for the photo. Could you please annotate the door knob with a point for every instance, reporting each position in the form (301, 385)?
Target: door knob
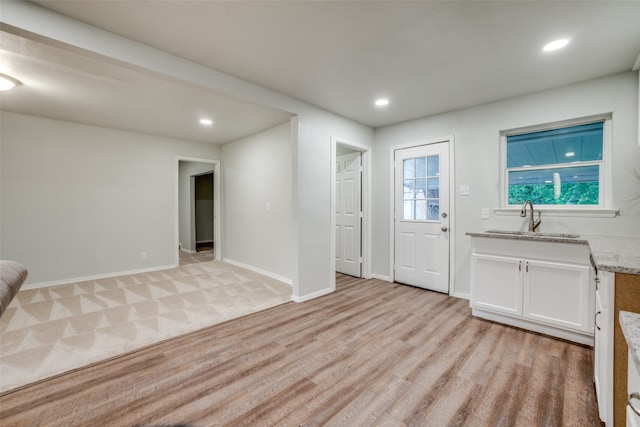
(444, 229)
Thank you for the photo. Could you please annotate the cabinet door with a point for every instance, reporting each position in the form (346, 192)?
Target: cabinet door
(497, 284)
(558, 294)
(633, 386)
(600, 359)
(604, 346)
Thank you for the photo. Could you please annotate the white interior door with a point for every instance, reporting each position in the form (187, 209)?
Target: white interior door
(421, 193)
(348, 213)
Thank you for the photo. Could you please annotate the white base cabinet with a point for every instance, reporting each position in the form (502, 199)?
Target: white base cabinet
(603, 346)
(542, 286)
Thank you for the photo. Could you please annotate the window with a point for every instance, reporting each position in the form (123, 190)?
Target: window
(421, 195)
(556, 166)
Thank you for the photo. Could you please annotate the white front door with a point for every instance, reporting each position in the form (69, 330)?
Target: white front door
(421, 193)
(348, 213)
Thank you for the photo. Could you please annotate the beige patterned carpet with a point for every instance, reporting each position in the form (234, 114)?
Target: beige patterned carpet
(51, 330)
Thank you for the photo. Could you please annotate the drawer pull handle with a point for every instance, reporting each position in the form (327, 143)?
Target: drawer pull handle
(595, 319)
(635, 396)
(520, 266)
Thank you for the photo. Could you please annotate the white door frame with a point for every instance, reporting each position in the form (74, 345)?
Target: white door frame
(366, 207)
(217, 218)
(452, 223)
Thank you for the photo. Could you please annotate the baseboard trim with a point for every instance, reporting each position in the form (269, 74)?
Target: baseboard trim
(461, 295)
(95, 277)
(311, 296)
(381, 277)
(259, 271)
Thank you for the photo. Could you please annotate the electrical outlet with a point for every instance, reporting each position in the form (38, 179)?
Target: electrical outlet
(143, 255)
(464, 190)
(486, 213)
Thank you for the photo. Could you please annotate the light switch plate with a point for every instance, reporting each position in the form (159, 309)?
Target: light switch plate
(486, 213)
(464, 190)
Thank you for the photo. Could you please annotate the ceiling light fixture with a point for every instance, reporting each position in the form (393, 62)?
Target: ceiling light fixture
(555, 45)
(381, 102)
(206, 122)
(8, 82)
(569, 154)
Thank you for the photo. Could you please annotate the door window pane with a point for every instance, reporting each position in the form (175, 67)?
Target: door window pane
(434, 210)
(421, 188)
(421, 167)
(421, 209)
(409, 169)
(434, 188)
(421, 185)
(434, 165)
(407, 209)
(408, 189)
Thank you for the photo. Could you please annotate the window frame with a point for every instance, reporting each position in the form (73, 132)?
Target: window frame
(604, 190)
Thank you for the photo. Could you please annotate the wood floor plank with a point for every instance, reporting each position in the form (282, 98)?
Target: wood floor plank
(371, 353)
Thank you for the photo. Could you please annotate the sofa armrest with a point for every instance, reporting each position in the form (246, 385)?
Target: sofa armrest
(12, 276)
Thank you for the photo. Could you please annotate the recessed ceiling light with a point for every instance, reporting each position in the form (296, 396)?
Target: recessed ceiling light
(8, 82)
(206, 122)
(555, 45)
(547, 181)
(569, 154)
(382, 102)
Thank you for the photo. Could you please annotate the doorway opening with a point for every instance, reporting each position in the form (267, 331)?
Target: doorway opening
(202, 223)
(198, 236)
(350, 209)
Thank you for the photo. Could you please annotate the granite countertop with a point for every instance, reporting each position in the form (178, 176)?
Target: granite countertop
(630, 323)
(530, 235)
(618, 254)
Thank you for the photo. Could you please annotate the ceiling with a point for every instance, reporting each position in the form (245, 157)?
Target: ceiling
(427, 57)
(65, 85)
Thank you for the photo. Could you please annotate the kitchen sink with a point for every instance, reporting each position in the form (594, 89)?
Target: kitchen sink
(534, 233)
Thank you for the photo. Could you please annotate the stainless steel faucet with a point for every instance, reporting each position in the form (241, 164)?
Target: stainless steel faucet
(523, 213)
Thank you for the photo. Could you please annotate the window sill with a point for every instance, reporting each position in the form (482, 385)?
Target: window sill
(563, 212)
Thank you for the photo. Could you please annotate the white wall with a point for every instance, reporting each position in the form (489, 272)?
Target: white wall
(82, 201)
(315, 130)
(476, 133)
(186, 169)
(258, 202)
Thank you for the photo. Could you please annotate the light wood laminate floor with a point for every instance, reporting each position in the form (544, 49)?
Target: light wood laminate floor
(372, 353)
